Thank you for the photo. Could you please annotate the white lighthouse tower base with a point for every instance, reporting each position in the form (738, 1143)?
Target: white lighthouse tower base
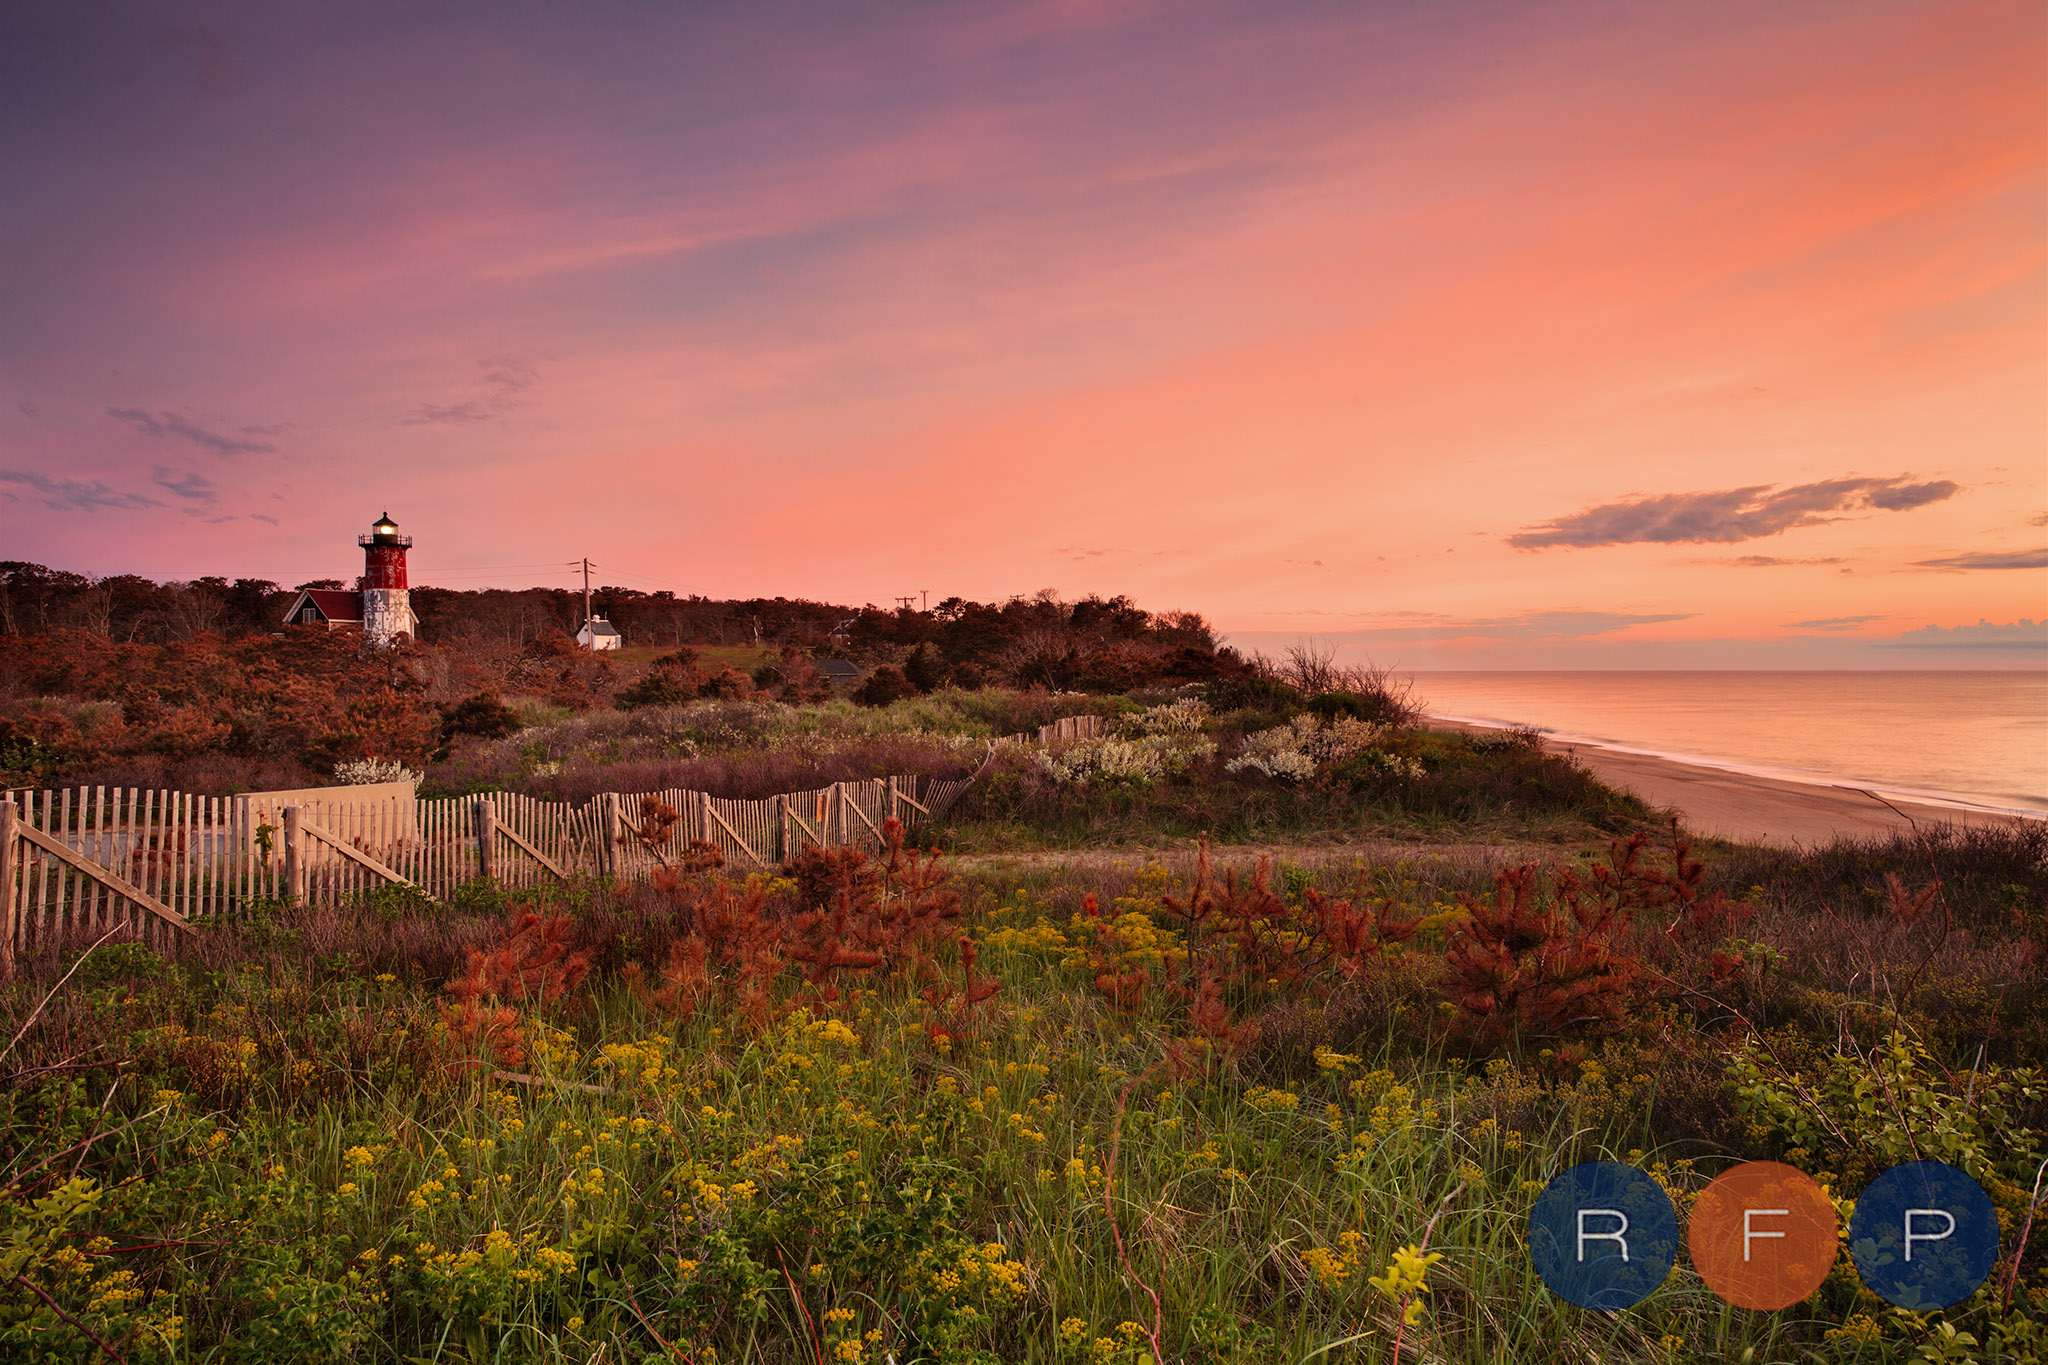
(387, 614)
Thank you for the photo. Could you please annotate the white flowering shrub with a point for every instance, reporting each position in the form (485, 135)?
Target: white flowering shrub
(1296, 750)
(1393, 764)
(1183, 718)
(364, 772)
(1108, 759)
(1288, 763)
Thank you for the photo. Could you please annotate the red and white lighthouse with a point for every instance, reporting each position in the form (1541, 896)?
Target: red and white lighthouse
(387, 605)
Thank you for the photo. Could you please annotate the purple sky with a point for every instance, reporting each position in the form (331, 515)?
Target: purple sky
(1553, 334)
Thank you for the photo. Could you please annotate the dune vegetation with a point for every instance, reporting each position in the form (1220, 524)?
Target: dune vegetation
(872, 1109)
(1245, 1025)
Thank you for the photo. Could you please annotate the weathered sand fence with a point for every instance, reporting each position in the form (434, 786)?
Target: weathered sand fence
(93, 858)
(1065, 730)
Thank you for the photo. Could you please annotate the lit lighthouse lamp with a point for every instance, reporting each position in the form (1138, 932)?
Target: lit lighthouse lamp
(387, 605)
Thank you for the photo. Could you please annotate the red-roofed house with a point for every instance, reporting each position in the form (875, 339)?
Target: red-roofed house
(332, 606)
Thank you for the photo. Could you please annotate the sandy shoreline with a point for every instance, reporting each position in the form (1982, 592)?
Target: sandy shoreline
(1753, 809)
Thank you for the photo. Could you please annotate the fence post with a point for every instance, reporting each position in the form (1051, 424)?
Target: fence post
(892, 798)
(294, 856)
(782, 828)
(608, 858)
(10, 821)
(704, 816)
(486, 839)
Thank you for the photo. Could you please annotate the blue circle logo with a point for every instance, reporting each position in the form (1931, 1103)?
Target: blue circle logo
(1603, 1235)
(1924, 1236)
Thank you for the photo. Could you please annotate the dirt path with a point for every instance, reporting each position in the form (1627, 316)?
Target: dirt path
(1180, 855)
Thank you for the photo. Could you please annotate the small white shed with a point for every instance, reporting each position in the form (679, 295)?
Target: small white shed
(598, 633)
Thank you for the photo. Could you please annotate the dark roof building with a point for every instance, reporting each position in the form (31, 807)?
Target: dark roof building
(838, 672)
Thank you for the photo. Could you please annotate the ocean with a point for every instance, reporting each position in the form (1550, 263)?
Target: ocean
(1970, 738)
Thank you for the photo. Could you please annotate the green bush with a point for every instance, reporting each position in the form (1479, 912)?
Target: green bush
(658, 688)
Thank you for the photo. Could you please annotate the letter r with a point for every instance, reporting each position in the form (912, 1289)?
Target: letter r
(1614, 1235)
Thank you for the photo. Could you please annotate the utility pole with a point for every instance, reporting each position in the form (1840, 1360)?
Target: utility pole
(587, 626)
(926, 594)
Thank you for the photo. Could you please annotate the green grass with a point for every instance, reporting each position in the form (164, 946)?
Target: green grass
(275, 1153)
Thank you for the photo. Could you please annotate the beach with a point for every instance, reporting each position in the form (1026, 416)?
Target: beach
(1722, 803)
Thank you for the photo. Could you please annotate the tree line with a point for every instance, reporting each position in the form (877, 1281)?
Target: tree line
(199, 683)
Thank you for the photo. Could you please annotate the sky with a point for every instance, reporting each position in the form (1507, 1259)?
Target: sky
(1449, 334)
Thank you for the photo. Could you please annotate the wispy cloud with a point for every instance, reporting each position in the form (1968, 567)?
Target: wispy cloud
(1527, 626)
(1565, 625)
(1731, 514)
(452, 414)
(508, 374)
(184, 428)
(1834, 623)
(1771, 561)
(189, 483)
(1989, 559)
(74, 495)
(505, 379)
(2025, 633)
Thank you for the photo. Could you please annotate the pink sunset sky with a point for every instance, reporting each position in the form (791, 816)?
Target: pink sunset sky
(1455, 334)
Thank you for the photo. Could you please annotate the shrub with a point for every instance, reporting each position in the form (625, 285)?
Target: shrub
(1850, 1115)
(367, 772)
(885, 685)
(1516, 740)
(1251, 693)
(483, 715)
(728, 684)
(1298, 749)
(1562, 954)
(1135, 761)
(1374, 707)
(925, 669)
(659, 688)
(1186, 716)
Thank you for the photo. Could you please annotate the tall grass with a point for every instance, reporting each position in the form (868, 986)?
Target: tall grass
(277, 1148)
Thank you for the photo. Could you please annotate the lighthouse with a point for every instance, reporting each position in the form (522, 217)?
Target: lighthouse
(387, 605)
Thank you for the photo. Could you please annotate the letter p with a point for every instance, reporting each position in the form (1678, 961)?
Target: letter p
(1948, 1227)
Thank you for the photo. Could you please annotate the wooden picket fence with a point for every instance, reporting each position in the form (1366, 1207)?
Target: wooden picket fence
(91, 859)
(1065, 730)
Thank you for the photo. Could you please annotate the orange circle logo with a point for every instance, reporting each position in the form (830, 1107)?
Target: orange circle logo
(1763, 1235)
